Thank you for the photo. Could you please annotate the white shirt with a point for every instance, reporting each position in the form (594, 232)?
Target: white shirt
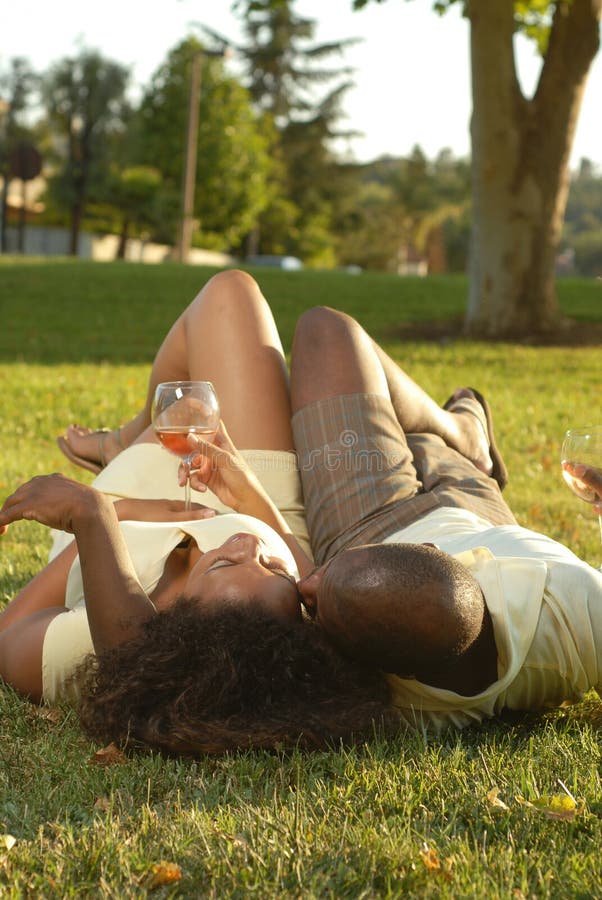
(546, 608)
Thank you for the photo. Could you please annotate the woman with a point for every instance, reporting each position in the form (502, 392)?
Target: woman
(234, 665)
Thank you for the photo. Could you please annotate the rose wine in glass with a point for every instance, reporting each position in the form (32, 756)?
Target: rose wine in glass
(583, 445)
(181, 408)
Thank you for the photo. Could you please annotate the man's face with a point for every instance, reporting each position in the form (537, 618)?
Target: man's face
(318, 589)
(321, 590)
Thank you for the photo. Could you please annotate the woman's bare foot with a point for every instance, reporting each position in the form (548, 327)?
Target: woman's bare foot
(470, 432)
(90, 449)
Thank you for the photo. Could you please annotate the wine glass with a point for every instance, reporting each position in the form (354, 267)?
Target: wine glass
(583, 445)
(181, 408)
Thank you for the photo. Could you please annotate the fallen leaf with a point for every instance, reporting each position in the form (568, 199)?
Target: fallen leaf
(430, 859)
(492, 798)
(108, 756)
(50, 713)
(103, 804)
(7, 841)
(556, 806)
(164, 873)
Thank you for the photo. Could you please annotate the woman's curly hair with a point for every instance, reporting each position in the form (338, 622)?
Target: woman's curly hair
(206, 682)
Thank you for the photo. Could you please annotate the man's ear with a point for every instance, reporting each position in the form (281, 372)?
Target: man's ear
(308, 588)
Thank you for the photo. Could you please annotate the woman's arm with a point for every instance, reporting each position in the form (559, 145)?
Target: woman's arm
(46, 589)
(115, 602)
(136, 510)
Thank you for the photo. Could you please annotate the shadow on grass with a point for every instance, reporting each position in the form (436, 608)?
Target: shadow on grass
(574, 333)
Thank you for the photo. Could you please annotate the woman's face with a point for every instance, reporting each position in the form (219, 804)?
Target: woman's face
(241, 573)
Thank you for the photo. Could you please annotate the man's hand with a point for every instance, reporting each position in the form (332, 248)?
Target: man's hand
(51, 500)
(591, 477)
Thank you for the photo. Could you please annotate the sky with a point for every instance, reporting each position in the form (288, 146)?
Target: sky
(412, 76)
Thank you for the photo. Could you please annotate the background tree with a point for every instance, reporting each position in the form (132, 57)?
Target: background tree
(17, 84)
(400, 208)
(520, 155)
(286, 77)
(371, 226)
(85, 105)
(232, 159)
(135, 192)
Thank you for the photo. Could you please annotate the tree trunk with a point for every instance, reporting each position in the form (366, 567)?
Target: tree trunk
(123, 239)
(22, 218)
(3, 215)
(76, 220)
(520, 157)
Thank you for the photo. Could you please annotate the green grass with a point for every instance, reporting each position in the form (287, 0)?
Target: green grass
(75, 343)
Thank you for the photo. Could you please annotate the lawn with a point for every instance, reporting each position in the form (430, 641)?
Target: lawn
(462, 816)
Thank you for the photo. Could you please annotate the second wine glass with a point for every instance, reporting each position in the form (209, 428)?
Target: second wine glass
(181, 408)
(583, 445)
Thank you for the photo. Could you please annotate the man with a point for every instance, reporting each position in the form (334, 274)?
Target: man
(422, 568)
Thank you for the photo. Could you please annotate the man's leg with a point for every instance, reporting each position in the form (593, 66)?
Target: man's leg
(364, 477)
(333, 355)
(353, 456)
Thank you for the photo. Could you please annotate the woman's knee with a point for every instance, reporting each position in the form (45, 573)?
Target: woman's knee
(231, 283)
(231, 292)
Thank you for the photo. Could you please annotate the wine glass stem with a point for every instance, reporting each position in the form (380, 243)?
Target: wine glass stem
(187, 501)
(600, 524)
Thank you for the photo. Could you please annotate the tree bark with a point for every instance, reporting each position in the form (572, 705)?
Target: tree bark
(76, 221)
(123, 238)
(520, 158)
(3, 213)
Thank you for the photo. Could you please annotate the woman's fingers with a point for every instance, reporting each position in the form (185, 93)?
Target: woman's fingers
(204, 512)
(213, 451)
(49, 499)
(13, 507)
(223, 439)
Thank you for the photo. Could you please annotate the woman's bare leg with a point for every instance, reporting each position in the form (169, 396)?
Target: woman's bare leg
(228, 336)
(332, 354)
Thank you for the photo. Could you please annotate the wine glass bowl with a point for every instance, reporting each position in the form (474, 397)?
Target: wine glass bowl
(181, 408)
(582, 446)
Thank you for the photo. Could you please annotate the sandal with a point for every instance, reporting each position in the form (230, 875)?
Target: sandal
(85, 462)
(499, 472)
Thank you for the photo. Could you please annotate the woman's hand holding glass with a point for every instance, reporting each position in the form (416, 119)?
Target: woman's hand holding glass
(181, 409)
(219, 467)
